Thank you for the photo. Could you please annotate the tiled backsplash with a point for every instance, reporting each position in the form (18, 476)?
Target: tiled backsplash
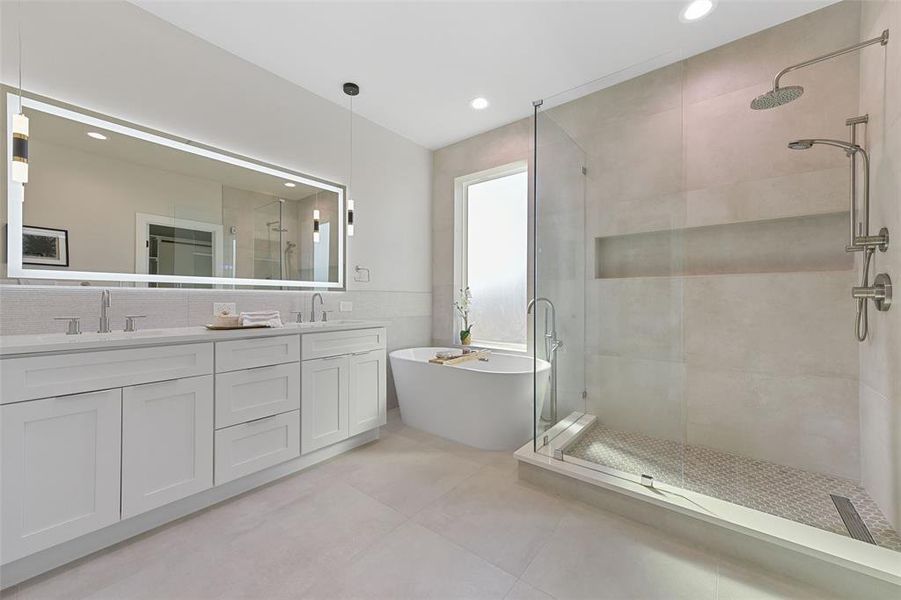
(30, 309)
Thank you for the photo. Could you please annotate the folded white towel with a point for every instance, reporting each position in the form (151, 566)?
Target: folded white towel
(269, 318)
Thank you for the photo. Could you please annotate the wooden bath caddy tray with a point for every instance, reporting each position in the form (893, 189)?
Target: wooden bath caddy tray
(456, 360)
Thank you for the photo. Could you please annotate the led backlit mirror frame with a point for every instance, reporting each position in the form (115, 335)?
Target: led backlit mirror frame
(16, 196)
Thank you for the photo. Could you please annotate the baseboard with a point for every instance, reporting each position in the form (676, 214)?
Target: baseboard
(41, 562)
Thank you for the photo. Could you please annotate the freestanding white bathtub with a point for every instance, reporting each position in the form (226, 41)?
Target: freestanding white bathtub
(487, 405)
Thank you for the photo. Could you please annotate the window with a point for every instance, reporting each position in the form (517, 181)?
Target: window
(492, 254)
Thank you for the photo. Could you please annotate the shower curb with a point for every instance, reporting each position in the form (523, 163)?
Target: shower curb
(834, 563)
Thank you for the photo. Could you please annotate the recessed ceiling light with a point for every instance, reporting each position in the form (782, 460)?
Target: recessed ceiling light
(290, 184)
(697, 9)
(96, 136)
(479, 103)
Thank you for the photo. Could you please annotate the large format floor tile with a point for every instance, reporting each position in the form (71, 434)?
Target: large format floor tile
(497, 517)
(414, 562)
(409, 516)
(596, 555)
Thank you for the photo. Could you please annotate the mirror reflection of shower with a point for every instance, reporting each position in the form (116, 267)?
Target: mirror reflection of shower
(289, 254)
(269, 257)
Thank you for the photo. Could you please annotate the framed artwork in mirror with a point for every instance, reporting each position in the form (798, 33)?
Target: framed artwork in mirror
(45, 246)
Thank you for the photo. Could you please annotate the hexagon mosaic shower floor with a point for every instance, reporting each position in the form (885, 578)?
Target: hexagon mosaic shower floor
(787, 492)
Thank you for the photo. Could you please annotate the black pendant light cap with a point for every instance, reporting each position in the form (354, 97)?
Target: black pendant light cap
(351, 89)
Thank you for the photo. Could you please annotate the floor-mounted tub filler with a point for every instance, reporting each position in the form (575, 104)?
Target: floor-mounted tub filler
(485, 404)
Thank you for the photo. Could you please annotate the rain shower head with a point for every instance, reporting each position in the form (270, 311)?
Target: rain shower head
(783, 95)
(777, 97)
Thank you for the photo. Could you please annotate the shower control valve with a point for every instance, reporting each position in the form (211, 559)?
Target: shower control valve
(880, 292)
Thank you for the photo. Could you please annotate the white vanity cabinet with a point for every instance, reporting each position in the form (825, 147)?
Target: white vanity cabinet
(60, 469)
(368, 391)
(167, 442)
(344, 386)
(250, 447)
(96, 431)
(325, 398)
(257, 404)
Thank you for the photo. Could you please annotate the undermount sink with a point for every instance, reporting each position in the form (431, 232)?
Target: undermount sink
(331, 323)
(98, 337)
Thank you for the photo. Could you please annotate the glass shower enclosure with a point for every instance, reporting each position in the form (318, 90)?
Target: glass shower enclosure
(667, 292)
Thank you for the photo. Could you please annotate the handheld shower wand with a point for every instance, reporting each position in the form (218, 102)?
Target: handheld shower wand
(881, 292)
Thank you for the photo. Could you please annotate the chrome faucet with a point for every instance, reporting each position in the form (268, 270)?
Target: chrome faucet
(313, 306)
(105, 302)
(551, 345)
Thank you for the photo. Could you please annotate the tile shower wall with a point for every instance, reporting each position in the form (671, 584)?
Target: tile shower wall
(880, 355)
(754, 356)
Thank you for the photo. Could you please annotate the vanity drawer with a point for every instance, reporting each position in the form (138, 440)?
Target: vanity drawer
(250, 394)
(335, 343)
(258, 352)
(250, 447)
(60, 374)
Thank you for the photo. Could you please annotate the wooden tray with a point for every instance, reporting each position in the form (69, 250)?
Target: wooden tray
(226, 327)
(456, 360)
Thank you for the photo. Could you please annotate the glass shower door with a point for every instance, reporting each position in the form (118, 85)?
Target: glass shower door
(610, 254)
(557, 277)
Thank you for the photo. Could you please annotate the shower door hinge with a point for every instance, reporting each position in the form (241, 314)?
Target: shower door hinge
(584, 170)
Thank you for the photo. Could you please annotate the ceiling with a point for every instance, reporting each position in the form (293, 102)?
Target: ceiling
(420, 63)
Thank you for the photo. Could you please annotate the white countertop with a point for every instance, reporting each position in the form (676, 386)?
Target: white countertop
(15, 345)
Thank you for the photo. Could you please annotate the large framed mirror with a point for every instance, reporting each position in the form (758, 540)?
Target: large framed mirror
(107, 200)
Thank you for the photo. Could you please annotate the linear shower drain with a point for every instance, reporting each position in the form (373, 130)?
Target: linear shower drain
(857, 529)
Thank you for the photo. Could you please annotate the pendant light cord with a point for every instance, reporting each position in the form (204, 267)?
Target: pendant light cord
(19, 41)
(350, 179)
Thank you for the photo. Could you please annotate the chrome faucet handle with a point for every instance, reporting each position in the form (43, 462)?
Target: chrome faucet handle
(324, 316)
(74, 324)
(299, 318)
(130, 322)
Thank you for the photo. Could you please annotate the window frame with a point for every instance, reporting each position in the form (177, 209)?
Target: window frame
(461, 245)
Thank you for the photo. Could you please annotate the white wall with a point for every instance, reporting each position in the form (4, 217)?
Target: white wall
(114, 58)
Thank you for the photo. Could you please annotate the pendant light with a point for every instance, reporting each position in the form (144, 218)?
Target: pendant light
(351, 89)
(20, 123)
(316, 220)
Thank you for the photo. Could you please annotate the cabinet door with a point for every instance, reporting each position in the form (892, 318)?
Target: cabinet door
(167, 442)
(60, 469)
(368, 391)
(323, 401)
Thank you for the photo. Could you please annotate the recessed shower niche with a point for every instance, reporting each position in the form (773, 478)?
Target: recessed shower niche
(805, 243)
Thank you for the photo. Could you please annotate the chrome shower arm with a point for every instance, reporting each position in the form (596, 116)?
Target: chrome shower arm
(882, 40)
